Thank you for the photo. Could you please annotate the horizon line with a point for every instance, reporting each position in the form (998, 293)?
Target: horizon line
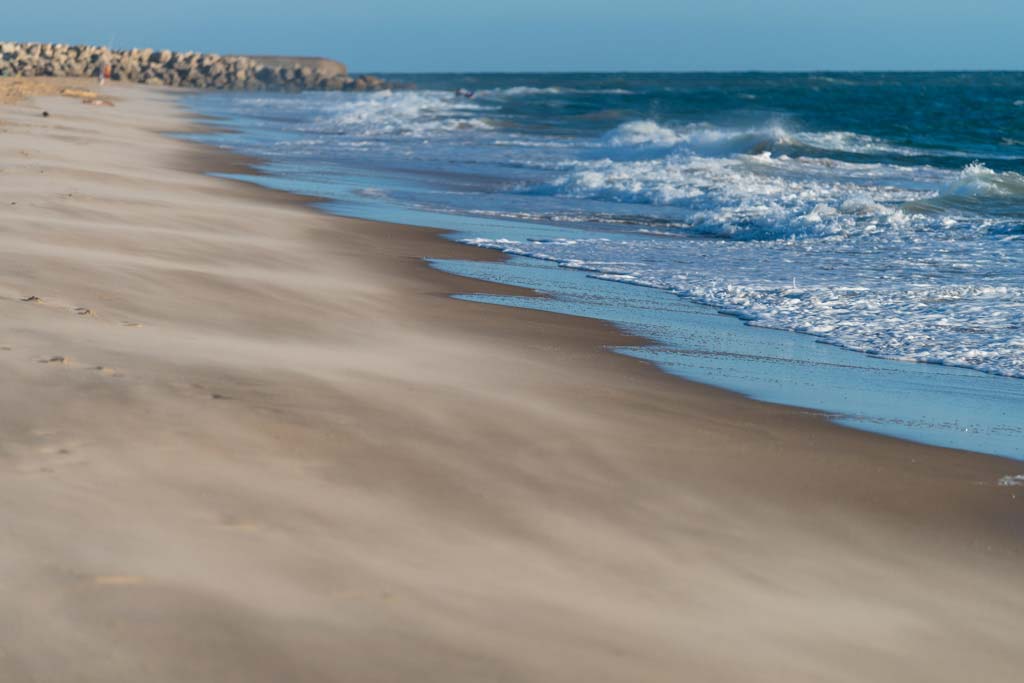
(531, 72)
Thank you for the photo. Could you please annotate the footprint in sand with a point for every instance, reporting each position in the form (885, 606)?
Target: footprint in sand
(50, 459)
(67, 362)
(77, 310)
(215, 395)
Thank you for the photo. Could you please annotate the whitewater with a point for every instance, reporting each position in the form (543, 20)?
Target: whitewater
(881, 213)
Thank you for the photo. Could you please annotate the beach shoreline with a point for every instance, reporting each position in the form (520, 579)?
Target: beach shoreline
(274, 446)
(807, 310)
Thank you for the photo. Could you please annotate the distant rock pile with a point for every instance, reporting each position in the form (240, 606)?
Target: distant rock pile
(185, 69)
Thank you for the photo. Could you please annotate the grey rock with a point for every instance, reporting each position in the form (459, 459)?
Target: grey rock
(187, 69)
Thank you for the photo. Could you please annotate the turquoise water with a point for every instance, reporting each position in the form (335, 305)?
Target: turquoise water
(879, 215)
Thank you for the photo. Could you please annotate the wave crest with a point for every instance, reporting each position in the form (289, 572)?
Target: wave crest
(978, 180)
(402, 113)
(977, 190)
(646, 138)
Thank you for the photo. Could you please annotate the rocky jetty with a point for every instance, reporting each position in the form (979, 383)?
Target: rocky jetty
(185, 69)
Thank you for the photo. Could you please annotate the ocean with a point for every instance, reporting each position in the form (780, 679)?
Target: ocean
(845, 242)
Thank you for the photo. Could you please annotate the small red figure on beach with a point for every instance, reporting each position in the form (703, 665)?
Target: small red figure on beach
(104, 71)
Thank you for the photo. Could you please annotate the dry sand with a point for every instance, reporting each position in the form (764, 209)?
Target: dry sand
(244, 441)
(17, 88)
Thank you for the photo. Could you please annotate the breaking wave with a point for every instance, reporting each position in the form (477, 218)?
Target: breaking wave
(401, 113)
(642, 138)
(856, 236)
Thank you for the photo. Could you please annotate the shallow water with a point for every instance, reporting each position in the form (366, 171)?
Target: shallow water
(880, 213)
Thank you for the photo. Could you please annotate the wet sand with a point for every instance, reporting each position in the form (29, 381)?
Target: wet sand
(246, 441)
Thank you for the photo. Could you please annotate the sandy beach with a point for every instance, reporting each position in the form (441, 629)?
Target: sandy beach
(248, 441)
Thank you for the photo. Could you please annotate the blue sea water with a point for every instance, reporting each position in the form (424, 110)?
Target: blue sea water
(881, 216)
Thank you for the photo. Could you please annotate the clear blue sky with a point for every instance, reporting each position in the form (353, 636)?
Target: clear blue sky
(546, 35)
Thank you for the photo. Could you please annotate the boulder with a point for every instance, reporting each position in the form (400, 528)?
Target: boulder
(191, 69)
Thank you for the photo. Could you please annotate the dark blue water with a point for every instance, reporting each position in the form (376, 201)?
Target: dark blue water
(881, 214)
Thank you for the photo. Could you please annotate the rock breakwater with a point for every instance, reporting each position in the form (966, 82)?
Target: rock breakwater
(184, 69)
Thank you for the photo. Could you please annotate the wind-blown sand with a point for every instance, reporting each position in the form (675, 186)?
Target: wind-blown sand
(245, 441)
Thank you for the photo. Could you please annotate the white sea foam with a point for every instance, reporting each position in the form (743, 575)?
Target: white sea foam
(710, 140)
(644, 139)
(531, 91)
(977, 180)
(401, 113)
(828, 248)
(845, 141)
(832, 233)
(743, 196)
(855, 295)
